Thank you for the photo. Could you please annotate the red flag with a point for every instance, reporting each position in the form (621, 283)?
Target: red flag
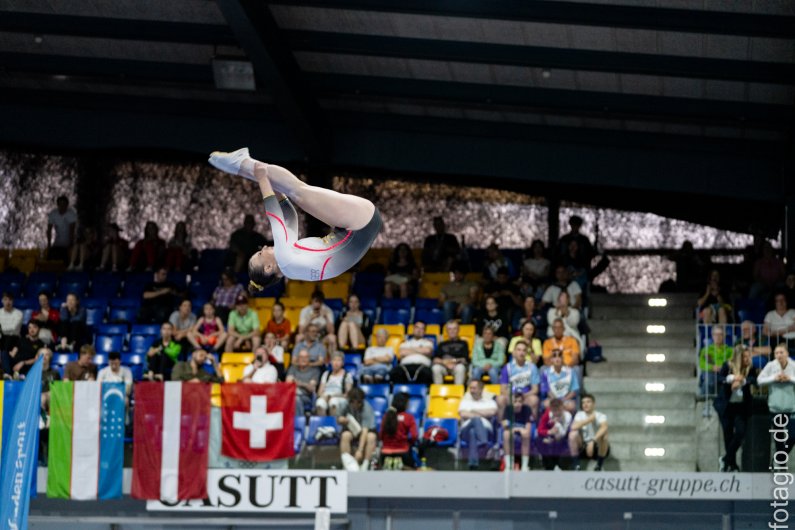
(172, 439)
(257, 421)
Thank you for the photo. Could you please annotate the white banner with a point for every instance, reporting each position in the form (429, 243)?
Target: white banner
(261, 490)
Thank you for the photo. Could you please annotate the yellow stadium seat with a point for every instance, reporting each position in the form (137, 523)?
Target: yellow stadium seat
(293, 314)
(494, 388)
(345, 277)
(444, 407)
(215, 395)
(464, 330)
(293, 302)
(430, 289)
(300, 289)
(417, 253)
(397, 330)
(232, 372)
(474, 277)
(264, 315)
(447, 390)
(436, 277)
(261, 303)
(24, 260)
(335, 290)
(237, 358)
(430, 329)
(287, 357)
(379, 256)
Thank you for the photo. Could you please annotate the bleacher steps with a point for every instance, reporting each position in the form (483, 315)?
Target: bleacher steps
(637, 326)
(634, 355)
(663, 400)
(636, 301)
(620, 385)
(640, 369)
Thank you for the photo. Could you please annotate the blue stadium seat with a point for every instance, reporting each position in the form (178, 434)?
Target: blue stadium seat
(353, 364)
(95, 310)
(112, 329)
(100, 359)
(299, 427)
(751, 309)
(375, 390)
(411, 390)
(416, 407)
(60, 359)
(12, 282)
(212, 260)
(368, 284)
(178, 278)
(396, 303)
(378, 417)
(73, 282)
(371, 313)
(426, 303)
(105, 284)
(122, 314)
(134, 284)
(145, 329)
(135, 362)
(336, 304)
(27, 315)
(429, 316)
(109, 343)
(379, 403)
(368, 303)
(126, 302)
(450, 424)
(40, 282)
(396, 316)
(140, 344)
(315, 422)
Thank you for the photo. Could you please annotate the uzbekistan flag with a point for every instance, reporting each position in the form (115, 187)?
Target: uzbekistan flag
(86, 440)
(172, 439)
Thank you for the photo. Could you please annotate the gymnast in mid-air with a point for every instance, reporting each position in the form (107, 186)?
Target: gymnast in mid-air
(355, 223)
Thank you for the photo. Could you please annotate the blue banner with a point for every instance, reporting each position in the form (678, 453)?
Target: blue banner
(9, 397)
(19, 454)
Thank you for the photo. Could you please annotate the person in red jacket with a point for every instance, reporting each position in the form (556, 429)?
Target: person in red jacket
(398, 432)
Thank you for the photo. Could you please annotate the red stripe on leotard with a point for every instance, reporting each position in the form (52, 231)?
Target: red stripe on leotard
(286, 239)
(323, 270)
(332, 247)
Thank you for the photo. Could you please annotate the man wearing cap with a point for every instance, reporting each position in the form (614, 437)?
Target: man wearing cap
(243, 327)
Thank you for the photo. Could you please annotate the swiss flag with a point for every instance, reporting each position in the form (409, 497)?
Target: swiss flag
(257, 421)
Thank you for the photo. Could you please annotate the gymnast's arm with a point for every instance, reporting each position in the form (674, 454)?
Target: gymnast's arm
(290, 215)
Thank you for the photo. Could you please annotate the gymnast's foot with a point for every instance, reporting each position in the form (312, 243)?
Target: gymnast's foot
(235, 163)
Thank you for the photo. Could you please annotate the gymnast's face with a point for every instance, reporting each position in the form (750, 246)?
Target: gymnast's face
(266, 259)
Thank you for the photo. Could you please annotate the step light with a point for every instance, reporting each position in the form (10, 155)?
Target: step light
(655, 387)
(658, 302)
(654, 451)
(655, 329)
(655, 420)
(655, 357)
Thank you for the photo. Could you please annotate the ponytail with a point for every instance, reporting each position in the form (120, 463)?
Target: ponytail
(390, 422)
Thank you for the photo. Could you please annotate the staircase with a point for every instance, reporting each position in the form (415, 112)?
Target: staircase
(619, 384)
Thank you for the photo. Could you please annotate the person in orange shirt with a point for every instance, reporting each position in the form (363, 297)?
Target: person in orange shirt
(568, 345)
(279, 325)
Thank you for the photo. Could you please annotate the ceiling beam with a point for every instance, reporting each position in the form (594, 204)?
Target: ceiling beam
(541, 57)
(568, 102)
(276, 70)
(116, 28)
(582, 14)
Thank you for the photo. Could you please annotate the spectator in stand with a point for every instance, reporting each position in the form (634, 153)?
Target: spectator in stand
(10, 325)
(159, 298)
(243, 326)
(789, 289)
(560, 342)
(402, 273)
(441, 250)
(756, 343)
(535, 350)
(305, 378)
(585, 250)
(520, 425)
(86, 252)
(560, 382)
(570, 316)
(311, 343)
(478, 410)
(226, 293)
(48, 318)
(72, 322)
(451, 357)
(63, 221)
(495, 261)
(179, 248)
(415, 356)
(377, 359)
(519, 375)
(162, 355)
(488, 356)
(244, 242)
(21, 357)
(279, 325)
(114, 372)
(689, 268)
(553, 427)
(562, 283)
(192, 370)
(321, 315)
(208, 332)
(769, 272)
(83, 369)
(588, 434)
(536, 268)
(711, 358)
(48, 376)
(354, 326)
(577, 263)
(780, 322)
(530, 313)
(334, 386)
(149, 251)
(275, 354)
(779, 376)
(261, 370)
(398, 434)
(713, 306)
(114, 248)
(492, 316)
(734, 403)
(505, 292)
(183, 321)
(458, 298)
(358, 440)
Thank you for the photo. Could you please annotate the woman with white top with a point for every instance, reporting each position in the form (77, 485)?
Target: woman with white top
(779, 375)
(334, 385)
